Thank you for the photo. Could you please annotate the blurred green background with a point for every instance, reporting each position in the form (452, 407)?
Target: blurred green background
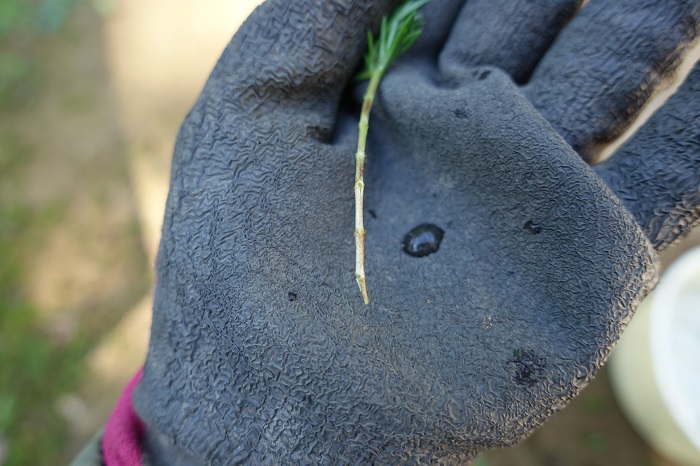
(71, 259)
(91, 96)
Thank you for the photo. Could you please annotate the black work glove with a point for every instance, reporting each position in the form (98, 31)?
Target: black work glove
(262, 350)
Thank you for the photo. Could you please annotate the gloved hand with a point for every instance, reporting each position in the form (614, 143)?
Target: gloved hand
(262, 350)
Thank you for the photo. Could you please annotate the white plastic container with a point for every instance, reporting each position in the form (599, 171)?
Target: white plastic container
(655, 369)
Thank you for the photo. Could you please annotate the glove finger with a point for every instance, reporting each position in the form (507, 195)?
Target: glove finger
(510, 34)
(299, 53)
(605, 65)
(439, 17)
(657, 173)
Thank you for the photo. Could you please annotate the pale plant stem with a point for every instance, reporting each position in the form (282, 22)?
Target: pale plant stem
(397, 34)
(360, 183)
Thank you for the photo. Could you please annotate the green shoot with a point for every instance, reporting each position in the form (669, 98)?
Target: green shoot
(397, 34)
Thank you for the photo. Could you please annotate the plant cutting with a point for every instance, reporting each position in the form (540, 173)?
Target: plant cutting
(397, 34)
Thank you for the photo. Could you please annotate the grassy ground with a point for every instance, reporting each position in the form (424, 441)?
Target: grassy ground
(63, 197)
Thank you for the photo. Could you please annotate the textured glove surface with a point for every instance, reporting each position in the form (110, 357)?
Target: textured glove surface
(262, 350)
